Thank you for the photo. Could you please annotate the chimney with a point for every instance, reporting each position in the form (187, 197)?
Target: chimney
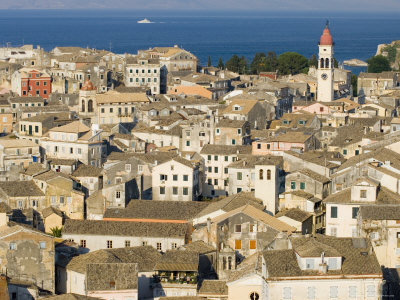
(209, 225)
(3, 219)
(323, 268)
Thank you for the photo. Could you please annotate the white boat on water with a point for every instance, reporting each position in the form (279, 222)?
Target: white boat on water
(144, 21)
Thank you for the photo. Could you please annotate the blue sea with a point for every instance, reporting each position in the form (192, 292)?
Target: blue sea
(214, 34)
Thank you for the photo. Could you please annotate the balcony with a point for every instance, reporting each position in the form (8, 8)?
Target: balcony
(172, 278)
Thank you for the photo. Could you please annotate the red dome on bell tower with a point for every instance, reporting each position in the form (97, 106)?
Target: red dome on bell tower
(326, 38)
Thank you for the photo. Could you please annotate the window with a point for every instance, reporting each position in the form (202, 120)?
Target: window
(253, 228)
(36, 127)
(253, 244)
(258, 146)
(261, 174)
(215, 169)
(127, 243)
(187, 143)
(332, 263)
(333, 292)
(238, 190)
(352, 291)
(53, 199)
(333, 231)
(216, 157)
(226, 158)
(238, 244)
(239, 131)
(174, 245)
(363, 194)
(254, 296)
(13, 246)
(127, 167)
(225, 170)
(209, 169)
(344, 151)
(370, 291)
(174, 190)
(208, 157)
(159, 247)
(163, 177)
(83, 243)
(309, 263)
(144, 243)
(175, 177)
(233, 142)
(118, 195)
(354, 212)
(185, 177)
(287, 293)
(109, 244)
(302, 185)
(334, 212)
(185, 191)
(293, 185)
(268, 174)
(162, 190)
(215, 181)
(311, 292)
(238, 228)
(61, 199)
(209, 181)
(42, 245)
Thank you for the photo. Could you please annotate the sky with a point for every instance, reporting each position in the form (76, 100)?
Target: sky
(212, 5)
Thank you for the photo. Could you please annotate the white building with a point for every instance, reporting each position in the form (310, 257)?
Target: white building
(95, 235)
(141, 71)
(75, 141)
(217, 158)
(176, 179)
(342, 207)
(316, 267)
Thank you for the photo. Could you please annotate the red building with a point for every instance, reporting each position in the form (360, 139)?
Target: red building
(35, 83)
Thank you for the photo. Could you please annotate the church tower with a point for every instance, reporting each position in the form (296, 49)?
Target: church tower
(87, 99)
(325, 67)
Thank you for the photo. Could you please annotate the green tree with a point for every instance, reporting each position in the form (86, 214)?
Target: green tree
(335, 63)
(392, 52)
(354, 79)
(313, 61)
(378, 64)
(271, 62)
(292, 63)
(243, 66)
(209, 61)
(233, 64)
(258, 64)
(56, 232)
(220, 64)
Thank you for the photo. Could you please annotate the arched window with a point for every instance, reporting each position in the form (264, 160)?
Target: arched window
(268, 174)
(229, 263)
(90, 106)
(261, 174)
(254, 296)
(322, 63)
(224, 263)
(327, 63)
(83, 106)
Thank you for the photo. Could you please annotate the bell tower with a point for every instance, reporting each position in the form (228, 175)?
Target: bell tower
(325, 67)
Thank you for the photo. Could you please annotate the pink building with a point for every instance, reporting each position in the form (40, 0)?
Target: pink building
(276, 145)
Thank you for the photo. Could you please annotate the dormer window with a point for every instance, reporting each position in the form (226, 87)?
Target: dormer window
(236, 107)
(301, 122)
(285, 122)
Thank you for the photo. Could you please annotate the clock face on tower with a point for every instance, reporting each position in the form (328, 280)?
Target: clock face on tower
(324, 76)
